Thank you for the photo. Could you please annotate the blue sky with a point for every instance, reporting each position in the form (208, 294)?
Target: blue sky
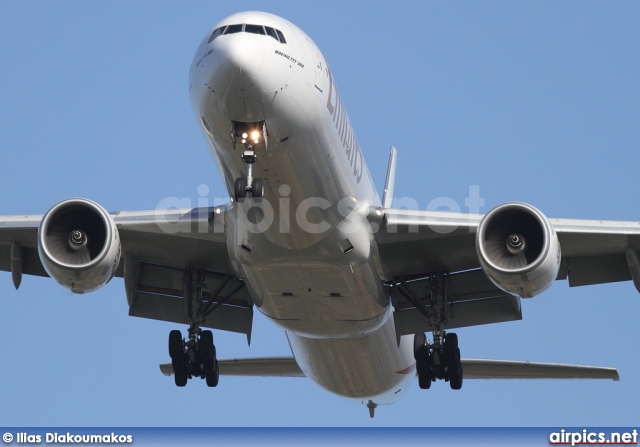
(536, 102)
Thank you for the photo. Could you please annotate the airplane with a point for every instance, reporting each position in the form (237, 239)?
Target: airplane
(307, 241)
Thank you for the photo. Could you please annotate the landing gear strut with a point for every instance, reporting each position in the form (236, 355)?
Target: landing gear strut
(250, 140)
(195, 356)
(439, 360)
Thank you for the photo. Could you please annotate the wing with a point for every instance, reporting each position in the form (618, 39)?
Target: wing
(413, 246)
(256, 367)
(473, 369)
(507, 369)
(159, 248)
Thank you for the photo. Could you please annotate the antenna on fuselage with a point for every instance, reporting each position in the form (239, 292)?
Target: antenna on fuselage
(389, 184)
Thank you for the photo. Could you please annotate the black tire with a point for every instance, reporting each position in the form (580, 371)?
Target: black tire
(176, 349)
(451, 341)
(240, 189)
(181, 379)
(257, 188)
(451, 351)
(424, 374)
(206, 348)
(214, 377)
(420, 347)
(180, 374)
(456, 381)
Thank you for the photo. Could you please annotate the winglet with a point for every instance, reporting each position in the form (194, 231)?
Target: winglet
(389, 184)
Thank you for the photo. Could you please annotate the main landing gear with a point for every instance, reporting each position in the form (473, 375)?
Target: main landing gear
(438, 361)
(194, 357)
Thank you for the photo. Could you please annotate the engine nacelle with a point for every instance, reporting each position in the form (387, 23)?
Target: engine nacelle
(518, 249)
(78, 244)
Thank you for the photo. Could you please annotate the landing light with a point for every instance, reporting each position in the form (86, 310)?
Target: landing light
(255, 135)
(245, 135)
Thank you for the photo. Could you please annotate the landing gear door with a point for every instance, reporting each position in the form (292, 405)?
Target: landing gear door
(264, 135)
(319, 63)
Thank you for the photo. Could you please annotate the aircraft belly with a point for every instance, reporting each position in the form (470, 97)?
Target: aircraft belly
(316, 292)
(372, 367)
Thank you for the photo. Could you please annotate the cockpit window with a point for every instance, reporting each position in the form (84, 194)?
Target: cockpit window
(216, 32)
(271, 32)
(232, 29)
(253, 29)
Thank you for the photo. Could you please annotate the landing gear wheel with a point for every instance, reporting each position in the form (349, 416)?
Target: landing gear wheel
(181, 379)
(423, 360)
(423, 368)
(206, 348)
(240, 189)
(207, 352)
(212, 378)
(455, 381)
(420, 346)
(180, 374)
(451, 341)
(257, 188)
(176, 349)
(452, 359)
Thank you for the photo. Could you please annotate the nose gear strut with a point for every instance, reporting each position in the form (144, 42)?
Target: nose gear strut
(250, 135)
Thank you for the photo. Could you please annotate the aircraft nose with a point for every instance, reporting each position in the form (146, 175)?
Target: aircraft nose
(242, 56)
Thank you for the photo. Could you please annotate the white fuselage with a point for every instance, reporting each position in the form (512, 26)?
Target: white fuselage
(305, 251)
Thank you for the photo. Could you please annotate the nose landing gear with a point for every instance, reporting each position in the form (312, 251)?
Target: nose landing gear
(250, 135)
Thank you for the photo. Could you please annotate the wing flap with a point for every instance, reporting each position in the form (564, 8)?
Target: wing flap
(415, 242)
(30, 261)
(594, 251)
(22, 230)
(156, 292)
(469, 313)
(472, 300)
(588, 270)
(507, 369)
